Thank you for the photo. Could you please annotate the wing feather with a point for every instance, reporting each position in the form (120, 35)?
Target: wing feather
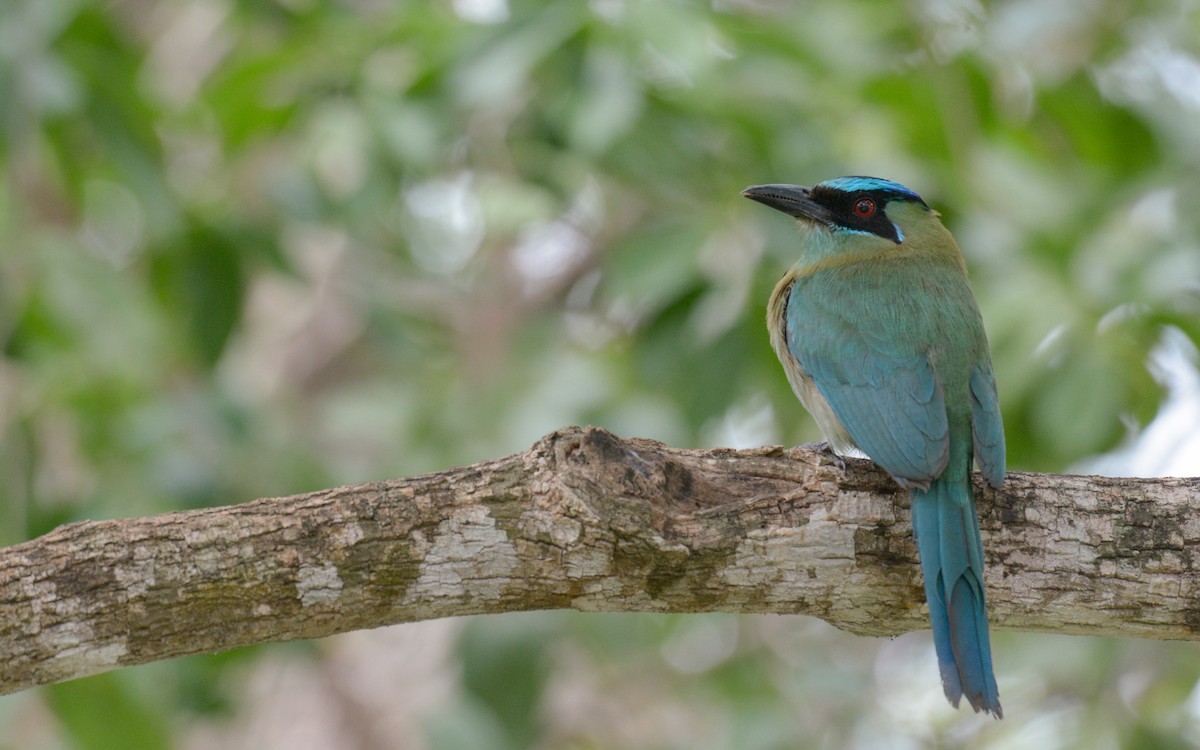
(987, 425)
(884, 391)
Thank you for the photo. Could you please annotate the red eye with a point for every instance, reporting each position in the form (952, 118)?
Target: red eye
(864, 208)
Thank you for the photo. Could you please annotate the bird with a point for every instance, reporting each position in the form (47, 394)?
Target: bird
(882, 341)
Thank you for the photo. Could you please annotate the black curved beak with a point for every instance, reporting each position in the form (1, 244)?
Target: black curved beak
(793, 200)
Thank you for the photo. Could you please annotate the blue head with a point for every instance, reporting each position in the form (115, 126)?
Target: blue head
(855, 205)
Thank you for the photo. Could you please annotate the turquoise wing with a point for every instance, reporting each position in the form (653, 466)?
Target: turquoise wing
(987, 426)
(872, 369)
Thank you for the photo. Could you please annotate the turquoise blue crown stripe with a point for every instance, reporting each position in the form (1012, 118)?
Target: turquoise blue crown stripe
(854, 184)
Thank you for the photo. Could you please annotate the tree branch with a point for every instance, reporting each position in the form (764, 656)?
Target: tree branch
(589, 521)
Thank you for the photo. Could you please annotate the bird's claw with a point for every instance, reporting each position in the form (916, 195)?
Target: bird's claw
(826, 450)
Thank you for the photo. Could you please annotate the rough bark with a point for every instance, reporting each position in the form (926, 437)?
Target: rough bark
(589, 521)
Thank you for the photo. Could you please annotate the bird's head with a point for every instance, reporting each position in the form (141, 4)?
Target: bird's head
(853, 208)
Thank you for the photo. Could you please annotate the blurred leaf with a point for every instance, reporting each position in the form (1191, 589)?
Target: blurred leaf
(1101, 135)
(505, 666)
(201, 280)
(100, 713)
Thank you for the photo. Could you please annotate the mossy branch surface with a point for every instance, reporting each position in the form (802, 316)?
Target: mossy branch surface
(590, 521)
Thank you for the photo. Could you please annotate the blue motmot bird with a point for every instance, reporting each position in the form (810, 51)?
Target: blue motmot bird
(882, 341)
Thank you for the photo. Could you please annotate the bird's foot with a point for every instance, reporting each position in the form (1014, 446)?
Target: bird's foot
(826, 450)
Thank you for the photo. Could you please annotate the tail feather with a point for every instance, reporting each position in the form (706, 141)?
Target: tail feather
(951, 551)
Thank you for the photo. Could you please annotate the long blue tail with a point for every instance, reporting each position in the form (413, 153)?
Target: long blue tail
(947, 532)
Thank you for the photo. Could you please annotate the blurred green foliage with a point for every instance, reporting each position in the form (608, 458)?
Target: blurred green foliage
(265, 247)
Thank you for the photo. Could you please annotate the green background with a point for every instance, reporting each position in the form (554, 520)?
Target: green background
(256, 248)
